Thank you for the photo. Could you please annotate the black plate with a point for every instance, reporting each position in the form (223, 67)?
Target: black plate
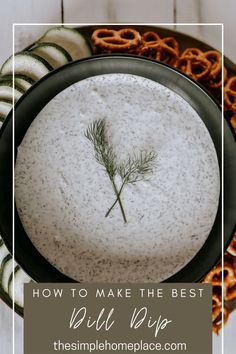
(28, 107)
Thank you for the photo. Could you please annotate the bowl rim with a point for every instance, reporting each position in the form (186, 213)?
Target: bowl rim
(58, 80)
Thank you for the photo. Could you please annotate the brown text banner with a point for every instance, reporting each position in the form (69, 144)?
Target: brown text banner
(117, 318)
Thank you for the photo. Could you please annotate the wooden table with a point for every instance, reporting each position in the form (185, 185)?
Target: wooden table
(114, 11)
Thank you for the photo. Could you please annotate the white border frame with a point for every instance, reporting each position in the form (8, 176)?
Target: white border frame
(222, 139)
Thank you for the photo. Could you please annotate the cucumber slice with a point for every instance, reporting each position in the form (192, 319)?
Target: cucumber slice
(6, 91)
(70, 39)
(5, 272)
(5, 107)
(10, 286)
(20, 279)
(22, 81)
(28, 64)
(3, 253)
(55, 55)
(18, 309)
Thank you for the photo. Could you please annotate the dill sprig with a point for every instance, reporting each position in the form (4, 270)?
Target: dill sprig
(104, 154)
(137, 168)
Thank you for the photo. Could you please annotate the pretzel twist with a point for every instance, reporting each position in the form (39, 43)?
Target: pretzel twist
(232, 247)
(233, 122)
(215, 76)
(230, 291)
(216, 62)
(111, 41)
(215, 275)
(230, 93)
(150, 38)
(234, 264)
(165, 49)
(217, 318)
(216, 300)
(193, 63)
(215, 278)
(192, 52)
(215, 83)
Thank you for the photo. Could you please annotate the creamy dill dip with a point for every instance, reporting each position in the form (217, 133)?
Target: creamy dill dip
(62, 192)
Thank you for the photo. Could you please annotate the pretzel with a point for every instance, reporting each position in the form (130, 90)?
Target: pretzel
(215, 278)
(230, 93)
(111, 40)
(233, 122)
(213, 81)
(195, 66)
(213, 56)
(229, 280)
(216, 82)
(216, 300)
(234, 264)
(192, 52)
(217, 318)
(232, 247)
(165, 50)
(216, 62)
(230, 291)
(217, 291)
(216, 311)
(149, 38)
(215, 275)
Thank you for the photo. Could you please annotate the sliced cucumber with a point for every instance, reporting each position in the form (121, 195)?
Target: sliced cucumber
(20, 279)
(5, 272)
(5, 108)
(3, 253)
(55, 55)
(6, 279)
(24, 82)
(29, 64)
(21, 81)
(70, 39)
(6, 91)
(18, 309)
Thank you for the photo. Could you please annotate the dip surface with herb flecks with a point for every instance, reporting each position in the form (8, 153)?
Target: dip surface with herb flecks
(62, 193)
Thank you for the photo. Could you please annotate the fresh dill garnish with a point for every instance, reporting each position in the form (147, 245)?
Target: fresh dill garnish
(135, 169)
(104, 154)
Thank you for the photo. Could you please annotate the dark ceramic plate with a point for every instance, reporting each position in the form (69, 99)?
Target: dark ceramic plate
(27, 109)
